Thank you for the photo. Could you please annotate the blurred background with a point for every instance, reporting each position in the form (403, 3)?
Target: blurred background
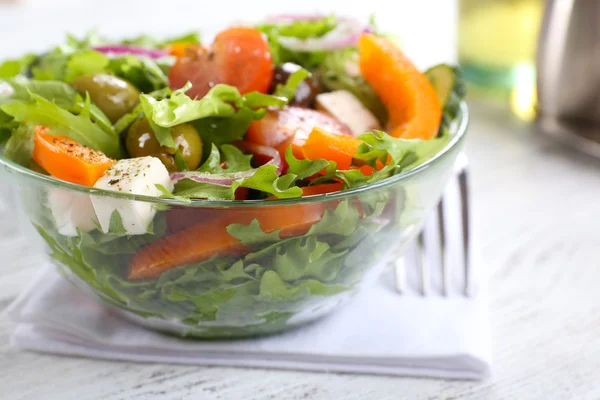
(494, 40)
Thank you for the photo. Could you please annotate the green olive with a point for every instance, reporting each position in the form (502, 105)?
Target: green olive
(114, 96)
(141, 142)
(189, 143)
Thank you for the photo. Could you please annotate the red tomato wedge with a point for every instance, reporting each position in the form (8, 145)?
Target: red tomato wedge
(200, 242)
(68, 160)
(239, 56)
(322, 189)
(291, 126)
(412, 103)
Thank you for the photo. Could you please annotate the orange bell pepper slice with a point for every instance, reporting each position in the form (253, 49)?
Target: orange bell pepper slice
(332, 147)
(68, 160)
(413, 106)
(205, 239)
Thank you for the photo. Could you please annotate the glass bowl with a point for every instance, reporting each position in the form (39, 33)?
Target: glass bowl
(256, 284)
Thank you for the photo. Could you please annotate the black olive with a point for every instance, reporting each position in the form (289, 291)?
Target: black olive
(306, 92)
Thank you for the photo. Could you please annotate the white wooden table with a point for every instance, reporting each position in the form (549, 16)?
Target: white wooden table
(536, 211)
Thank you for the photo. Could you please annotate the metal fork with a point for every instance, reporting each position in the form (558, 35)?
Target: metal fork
(423, 265)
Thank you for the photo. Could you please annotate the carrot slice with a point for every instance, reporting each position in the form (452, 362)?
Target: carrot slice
(322, 189)
(68, 160)
(412, 102)
(205, 239)
(332, 147)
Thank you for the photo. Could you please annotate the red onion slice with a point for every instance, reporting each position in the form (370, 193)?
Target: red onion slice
(135, 50)
(215, 179)
(226, 179)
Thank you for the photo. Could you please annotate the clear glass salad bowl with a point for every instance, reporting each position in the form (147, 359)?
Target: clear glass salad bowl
(264, 282)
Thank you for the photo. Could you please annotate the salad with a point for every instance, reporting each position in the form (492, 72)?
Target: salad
(292, 107)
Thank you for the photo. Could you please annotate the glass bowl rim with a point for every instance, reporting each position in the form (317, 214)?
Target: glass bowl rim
(460, 131)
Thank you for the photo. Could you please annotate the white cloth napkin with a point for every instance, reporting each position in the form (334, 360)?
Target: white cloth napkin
(379, 332)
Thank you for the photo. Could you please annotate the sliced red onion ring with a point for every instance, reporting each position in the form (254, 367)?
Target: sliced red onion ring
(215, 179)
(223, 179)
(124, 49)
(346, 33)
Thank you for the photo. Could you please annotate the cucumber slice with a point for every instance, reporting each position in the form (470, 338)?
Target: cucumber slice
(451, 89)
(443, 78)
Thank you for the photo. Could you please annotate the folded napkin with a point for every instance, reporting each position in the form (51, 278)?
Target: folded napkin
(378, 332)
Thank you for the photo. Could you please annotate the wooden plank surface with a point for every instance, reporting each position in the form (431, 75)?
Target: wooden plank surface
(536, 209)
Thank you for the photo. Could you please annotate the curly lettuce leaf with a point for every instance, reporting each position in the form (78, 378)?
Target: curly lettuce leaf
(266, 180)
(221, 116)
(78, 127)
(301, 30)
(404, 154)
(61, 94)
(180, 108)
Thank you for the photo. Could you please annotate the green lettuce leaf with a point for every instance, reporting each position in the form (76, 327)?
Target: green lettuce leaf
(78, 127)
(288, 90)
(179, 108)
(19, 147)
(252, 234)
(145, 74)
(87, 62)
(219, 130)
(305, 168)
(12, 68)
(152, 42)
(300, 30)
(266, 180)
(60, 93)
(50, 67)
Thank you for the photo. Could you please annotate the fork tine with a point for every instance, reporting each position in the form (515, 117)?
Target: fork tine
(443, 251)
(464, 200)
(423, 264)
(400, 273)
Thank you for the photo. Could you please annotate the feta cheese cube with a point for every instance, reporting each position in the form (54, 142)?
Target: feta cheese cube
(134, 176)
(71, 211)
(347, 108)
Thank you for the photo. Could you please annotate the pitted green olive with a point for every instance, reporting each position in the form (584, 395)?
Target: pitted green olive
(141, 142)
(114, 96)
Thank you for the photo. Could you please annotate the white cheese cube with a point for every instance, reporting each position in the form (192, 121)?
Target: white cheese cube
(71, 211)
(134, 176)
(347, 108)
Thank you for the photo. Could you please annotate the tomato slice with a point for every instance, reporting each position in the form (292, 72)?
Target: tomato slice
(291, 126)
(239, 56)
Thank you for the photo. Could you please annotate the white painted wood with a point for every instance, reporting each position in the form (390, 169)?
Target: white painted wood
(536, 212)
